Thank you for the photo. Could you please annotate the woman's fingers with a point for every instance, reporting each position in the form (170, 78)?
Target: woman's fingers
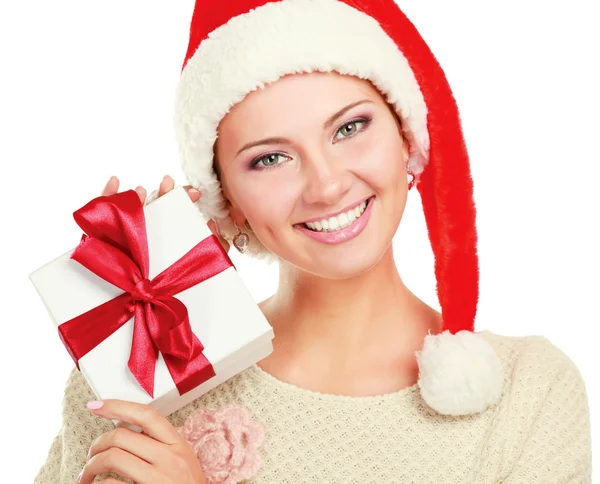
(119, 461)
(166, 185)
(192, 193)
(111, 187)
(145, 416)
(141, 191)
(215, 230)
(143, 446)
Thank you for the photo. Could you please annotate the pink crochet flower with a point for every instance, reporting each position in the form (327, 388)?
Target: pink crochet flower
(226, 443)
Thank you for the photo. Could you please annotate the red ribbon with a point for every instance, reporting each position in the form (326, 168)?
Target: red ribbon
(116, 249)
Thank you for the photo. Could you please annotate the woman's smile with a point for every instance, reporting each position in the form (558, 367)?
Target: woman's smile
(341, 228)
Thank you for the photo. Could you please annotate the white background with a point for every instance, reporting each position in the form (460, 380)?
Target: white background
(86, 91)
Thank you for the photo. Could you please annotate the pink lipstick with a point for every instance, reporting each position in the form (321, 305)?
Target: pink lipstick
(345, 234)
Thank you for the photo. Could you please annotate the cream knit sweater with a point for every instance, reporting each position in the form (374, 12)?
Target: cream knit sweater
(538, 433)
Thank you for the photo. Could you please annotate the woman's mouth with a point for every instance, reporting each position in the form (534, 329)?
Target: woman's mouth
(343, 227)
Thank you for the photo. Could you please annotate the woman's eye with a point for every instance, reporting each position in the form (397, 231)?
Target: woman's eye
(271, 159)
(349, 129)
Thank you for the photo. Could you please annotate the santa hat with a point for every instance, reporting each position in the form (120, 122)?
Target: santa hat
(238, 46)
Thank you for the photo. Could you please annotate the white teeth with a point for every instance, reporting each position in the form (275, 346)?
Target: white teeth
(343, 219)
(336, 223)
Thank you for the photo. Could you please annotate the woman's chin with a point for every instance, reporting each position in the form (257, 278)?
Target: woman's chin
(349, 260)
(346, 269)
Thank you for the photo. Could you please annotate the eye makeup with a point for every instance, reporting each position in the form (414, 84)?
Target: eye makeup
(364, 121)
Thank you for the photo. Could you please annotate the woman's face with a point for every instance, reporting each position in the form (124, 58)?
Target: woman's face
(307, 148)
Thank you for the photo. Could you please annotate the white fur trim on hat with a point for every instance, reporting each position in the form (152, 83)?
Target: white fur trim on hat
(459, 374)
(261, 46)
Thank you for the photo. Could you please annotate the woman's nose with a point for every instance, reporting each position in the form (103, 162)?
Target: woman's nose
(327, 181)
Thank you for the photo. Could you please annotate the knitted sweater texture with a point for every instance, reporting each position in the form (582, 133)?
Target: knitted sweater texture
(538, 433)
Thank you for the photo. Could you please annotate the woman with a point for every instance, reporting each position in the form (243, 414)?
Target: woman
(302, 126)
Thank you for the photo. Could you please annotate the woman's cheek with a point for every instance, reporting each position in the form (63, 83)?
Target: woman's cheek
(374, 162)
(268, 200)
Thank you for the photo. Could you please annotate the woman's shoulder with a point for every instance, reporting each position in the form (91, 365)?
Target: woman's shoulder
(544, 410)
(533, 364)
(529, 348)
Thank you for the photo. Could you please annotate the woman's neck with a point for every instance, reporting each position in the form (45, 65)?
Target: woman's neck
(373, 316)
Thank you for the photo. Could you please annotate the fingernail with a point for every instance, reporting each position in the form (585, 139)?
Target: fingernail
(79, 476)
(95, 404)
(193, 190)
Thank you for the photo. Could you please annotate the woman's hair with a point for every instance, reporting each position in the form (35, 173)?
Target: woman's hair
(215, 164)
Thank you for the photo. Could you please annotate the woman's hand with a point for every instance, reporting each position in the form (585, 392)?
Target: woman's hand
(166, 185)
(160, 455)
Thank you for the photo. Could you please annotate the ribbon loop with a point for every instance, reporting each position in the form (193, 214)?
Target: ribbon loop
(116, 250)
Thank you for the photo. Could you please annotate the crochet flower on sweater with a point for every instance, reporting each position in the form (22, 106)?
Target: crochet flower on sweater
(226, 441)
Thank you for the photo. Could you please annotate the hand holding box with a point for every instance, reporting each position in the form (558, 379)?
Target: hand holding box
(149, 304)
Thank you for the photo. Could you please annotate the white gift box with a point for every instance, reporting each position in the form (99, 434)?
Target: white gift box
(222, 313)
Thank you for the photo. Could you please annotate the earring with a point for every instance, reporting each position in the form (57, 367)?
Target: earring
(240, 241)
(411, 183)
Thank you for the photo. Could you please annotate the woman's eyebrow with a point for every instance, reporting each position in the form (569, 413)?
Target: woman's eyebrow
(343, 111)
(278, 140)
(267, 141)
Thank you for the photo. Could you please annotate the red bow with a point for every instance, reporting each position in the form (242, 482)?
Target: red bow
(116, 249)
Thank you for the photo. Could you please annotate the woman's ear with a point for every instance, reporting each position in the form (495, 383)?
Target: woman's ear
(236, 214)
(405, 147)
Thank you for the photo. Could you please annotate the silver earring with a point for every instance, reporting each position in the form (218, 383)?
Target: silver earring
(240, 241)
(411, 183)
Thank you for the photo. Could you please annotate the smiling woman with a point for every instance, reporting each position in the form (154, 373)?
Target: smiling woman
(321, 160)
(304, 149)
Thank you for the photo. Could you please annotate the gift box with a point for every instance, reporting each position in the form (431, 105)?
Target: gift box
(149, 305)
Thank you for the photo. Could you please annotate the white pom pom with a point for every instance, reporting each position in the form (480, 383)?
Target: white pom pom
(459, 374)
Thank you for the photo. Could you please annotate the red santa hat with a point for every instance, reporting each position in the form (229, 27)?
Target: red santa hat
(239, 46)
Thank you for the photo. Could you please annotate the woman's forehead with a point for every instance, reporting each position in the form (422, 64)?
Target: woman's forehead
(315, 94)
